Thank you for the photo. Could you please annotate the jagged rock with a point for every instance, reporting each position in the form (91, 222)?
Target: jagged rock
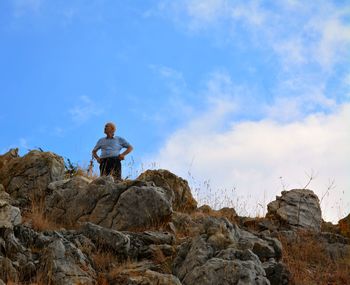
(228, 213)
(184, 224)
(26, 178)
(298, 208)
(120, 206)
(63, 263)
(176, 187)
(276, 272)
(9, 216)
(337, 246)
(8, 156)
(142, 274)
(217, 256)
(107, 238)
(18, 264)
(130, 245)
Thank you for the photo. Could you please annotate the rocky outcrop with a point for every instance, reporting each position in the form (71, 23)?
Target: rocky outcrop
(222, 253)
(178, 189)
(26, 178)
(298, 208)
(143, 231)
(119, 206)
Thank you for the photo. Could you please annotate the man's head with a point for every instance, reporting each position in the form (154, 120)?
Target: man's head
(110, 129)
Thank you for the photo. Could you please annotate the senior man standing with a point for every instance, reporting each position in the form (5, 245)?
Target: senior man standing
(110, 157)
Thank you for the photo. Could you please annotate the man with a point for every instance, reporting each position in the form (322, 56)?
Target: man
(110, 158)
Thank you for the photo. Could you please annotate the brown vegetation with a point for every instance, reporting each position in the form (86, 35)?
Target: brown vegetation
(310, 264)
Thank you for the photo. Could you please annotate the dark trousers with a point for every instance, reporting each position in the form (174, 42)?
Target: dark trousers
(111, 166)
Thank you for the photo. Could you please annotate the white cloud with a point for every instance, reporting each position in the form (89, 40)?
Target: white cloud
(85, 110)
(251, 156)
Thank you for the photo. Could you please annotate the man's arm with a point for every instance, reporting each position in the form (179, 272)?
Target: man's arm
(94, 154)
(126, 152)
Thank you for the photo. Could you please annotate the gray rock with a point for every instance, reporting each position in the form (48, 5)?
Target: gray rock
(219, 271)
(9, 216)
(141, 273)
(276, 272)
(107, 238)
(177, 189)
(296, 208)
(26, 178)
(120, 206)
(63, 263)
(142, 207)
(216, 256)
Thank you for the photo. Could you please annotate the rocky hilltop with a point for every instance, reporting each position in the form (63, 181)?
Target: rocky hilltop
(59, 229)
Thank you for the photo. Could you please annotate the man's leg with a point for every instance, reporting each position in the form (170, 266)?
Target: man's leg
(103, 164)
(117, 170)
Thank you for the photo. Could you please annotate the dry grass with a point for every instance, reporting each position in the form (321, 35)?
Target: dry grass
(36, 218)
(104, 261)
(310, 264)
(129, 266)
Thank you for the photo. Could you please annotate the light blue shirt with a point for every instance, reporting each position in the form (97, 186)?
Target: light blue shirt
(111, 147)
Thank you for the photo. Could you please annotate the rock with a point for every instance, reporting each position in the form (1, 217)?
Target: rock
(140, 274)
(276, 272)
(26, 178)
(63, 263)
(108, 239)
(219, 271)
(217, 256)
(9, 216)
(120, 206)
(8, 271)
(337, 246)
(177, 188)
(344, 226)
(297, 208)
(142, 207)
(228, 213)
(8, 156)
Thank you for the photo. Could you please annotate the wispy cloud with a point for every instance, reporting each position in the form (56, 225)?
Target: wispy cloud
(85, 110)
(299, 32)
(22, 7)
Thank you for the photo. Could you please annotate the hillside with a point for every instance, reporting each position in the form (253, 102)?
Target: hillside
(68, 228)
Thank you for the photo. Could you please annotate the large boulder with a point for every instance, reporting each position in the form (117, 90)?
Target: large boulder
(222, 253)
(178, 189)
(26, 178)
(297, 208)
(120, 206)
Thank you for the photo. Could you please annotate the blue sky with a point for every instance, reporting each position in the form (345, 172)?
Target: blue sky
(242, 98)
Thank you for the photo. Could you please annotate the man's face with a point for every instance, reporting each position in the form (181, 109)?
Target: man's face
(109, 130)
